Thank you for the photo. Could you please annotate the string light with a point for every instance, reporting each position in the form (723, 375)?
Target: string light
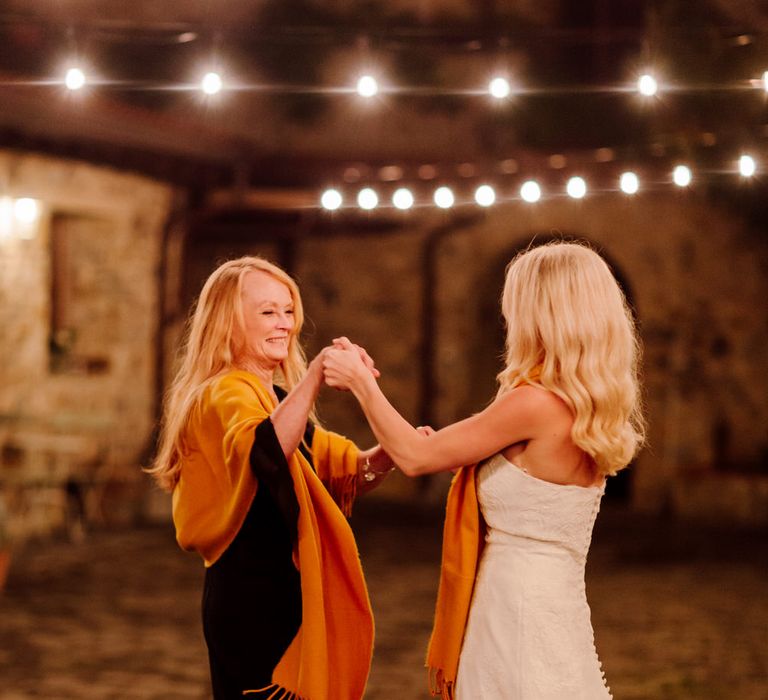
(367, 86)
(576, 188)
(530, 191)
(629, 183)
(367, 199)
(211, 83)
(647, 85)
(402, 198)
(499, 88)
(444, 197)
(74, 79)
(682, 176)
(331, 200)
(747, 166)
(485, 195)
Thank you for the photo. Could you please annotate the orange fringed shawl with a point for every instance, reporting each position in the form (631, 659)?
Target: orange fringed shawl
(463, 537)
(330, 657)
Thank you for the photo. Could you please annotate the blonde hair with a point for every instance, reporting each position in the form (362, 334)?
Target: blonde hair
(570, 331)
(214, 329)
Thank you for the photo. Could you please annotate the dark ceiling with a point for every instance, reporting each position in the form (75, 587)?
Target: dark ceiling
(282, 118)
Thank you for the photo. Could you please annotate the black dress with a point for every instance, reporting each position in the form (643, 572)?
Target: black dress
(252, 594)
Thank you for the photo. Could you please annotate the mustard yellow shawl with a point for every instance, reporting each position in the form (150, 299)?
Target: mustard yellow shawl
(330, 657)
(463, 538)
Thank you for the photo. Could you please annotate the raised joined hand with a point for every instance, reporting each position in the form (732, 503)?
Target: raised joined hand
(344, 363)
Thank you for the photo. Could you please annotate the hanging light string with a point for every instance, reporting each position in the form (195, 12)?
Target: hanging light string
(498, 88)
(529, 191)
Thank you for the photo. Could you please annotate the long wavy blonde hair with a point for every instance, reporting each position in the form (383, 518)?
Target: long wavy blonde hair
(570, 331)
(214, 329)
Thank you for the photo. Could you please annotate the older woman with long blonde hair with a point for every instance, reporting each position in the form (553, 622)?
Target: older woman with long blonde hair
(512, 617)
(260, 491)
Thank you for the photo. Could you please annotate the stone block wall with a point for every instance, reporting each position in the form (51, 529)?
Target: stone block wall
(79, 312)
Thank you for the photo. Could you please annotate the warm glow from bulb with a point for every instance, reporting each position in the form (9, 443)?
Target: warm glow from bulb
(647, 85)
(74, 79)
(576, 187)
(402, 198)
(485, 195)
(629, 183)
(367, 199)
(26, 210)
(682, 176)
(530, 191)
(747, 166)
(211, 83)
(444, 197)
(331, 200)
(367, 86)
(499, 88)
(765, 81)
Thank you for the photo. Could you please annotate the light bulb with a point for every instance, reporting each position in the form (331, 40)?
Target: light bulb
(576, 187)
(747, 166)
(485, 195)
(499, 88)
(211, 83)
(647, 85)
(402, 198)
(629, 183)
(530, 191)
(682, 176)
(74, 79)
(367, 199)
(331, 200)
(367, 86)
(444, 197)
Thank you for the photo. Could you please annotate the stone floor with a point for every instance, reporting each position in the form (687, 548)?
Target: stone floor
(679, 611)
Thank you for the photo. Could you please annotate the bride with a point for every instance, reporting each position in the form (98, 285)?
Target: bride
(512, 618)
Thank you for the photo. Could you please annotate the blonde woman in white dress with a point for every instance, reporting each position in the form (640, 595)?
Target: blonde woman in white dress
(512, 620)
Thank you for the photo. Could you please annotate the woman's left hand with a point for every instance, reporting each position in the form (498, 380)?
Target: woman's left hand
(345, 364)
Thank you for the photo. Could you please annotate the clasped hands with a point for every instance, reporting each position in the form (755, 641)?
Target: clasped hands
(345, 363)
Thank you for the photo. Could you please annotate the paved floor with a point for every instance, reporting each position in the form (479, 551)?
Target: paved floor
(679, 611)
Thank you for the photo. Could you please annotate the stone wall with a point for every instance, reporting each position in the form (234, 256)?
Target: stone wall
(79, 312)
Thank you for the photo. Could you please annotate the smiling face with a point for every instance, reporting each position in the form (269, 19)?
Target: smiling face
(268, 322)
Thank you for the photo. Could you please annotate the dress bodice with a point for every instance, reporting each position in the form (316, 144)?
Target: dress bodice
(516, 505)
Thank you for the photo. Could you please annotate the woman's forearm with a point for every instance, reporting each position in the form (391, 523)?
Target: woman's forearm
(290, 417)
(406, 447)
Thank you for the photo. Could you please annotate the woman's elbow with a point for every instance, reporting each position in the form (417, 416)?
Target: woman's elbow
(413, 467)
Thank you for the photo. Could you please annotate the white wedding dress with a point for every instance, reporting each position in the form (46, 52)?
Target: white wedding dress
(529, 634)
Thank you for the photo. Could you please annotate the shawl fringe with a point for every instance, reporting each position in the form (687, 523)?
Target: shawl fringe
(278, 693)
(438, 685)
(344, 491)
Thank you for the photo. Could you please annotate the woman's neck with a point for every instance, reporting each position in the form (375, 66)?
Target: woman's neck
(265, 374)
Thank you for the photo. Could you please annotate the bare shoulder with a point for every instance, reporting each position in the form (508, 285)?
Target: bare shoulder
(542, 410)
(537, 400)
